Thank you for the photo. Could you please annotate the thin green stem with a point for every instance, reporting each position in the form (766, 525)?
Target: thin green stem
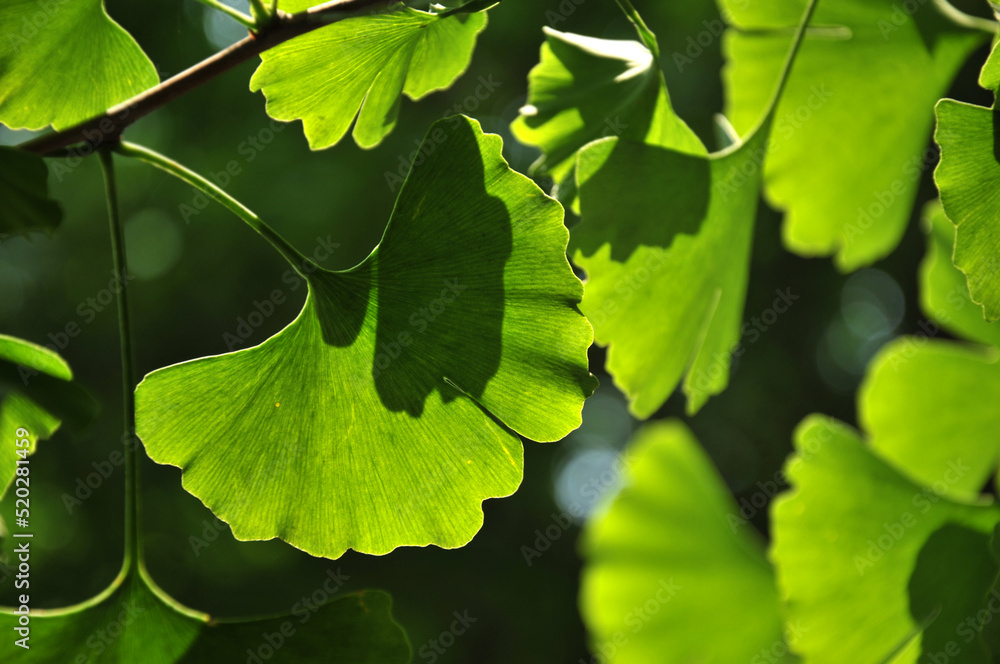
(301, 264)
(133, 551)
(233, 13)
(786, 71)
(793, 52)
(959, 17)
(647, 36)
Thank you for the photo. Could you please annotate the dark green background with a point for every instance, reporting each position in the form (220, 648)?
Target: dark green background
(809, 360)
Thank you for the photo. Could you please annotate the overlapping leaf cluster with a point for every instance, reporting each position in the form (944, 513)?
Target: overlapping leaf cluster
(665, 226)
(883, 550)
(391, 407)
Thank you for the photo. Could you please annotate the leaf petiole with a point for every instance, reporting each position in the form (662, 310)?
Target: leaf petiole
(647, 36)
(960, 18)
(133, 551)
(299, 262)
(231, 12)
(786, 71)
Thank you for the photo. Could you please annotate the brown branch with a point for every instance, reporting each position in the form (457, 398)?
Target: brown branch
(108, 127)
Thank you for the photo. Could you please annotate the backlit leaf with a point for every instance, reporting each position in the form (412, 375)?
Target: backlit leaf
(359, 67)
(989, 77)
(868, 560)
(673, 572)
(666, 263)
(386, 412)
(850, 134)
(64, 61)
(915, 402)
(24, 365)
(584, 89)
(26, 205)
(664, 239)
(922, 405)
(968, 178)
(944, 290)
(666, 227)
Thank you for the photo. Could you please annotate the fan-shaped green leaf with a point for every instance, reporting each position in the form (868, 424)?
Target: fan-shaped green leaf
(666, 263)
(33, 357)
(133, 621)
(968, 178)
(944, 290)
(671, 565)
(853, 560)
(69, 46)
(665, 241)
(379, 418)
(851, 130)
(584, 89)
(22, 367)
(989, 77)
(915, 406)
(360, 67)
(24, 191)
(914, 403)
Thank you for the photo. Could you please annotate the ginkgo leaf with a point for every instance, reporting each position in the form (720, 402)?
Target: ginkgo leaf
(666, 263)
(23, 369)
(859, 549)
(914, 403)
(665, 242)
(944, 290)
(73, 47)
(850, 137)
(989, 77)
(133, 621)
(385, 413)
(968, 178)
(584, 89)
(24, 192)
(671, 565)
(915, 406)
(360, 67)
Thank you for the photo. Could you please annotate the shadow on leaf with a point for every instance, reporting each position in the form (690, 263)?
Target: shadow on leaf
(625, 210)
(948, 591)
